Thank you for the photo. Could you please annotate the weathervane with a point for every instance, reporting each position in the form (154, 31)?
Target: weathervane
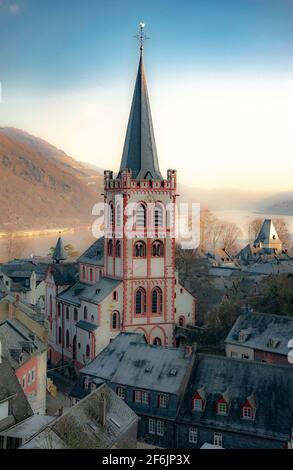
(141, 36)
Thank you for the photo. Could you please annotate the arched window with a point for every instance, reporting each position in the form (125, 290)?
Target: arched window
(157, 342)
(67, 339)
(59, 310)
(85, 313)
(182, 321)
(92, 319)
(111, 216)
(140, 249)
(141, 215)
(115, 321)
(91, 275)
(88, 351)
(140, 301)
(67, 313)
(157, 300)
(75, 314)
(83, 273)
(157, 249)
(51, 305)
(118, 249)
(110, 247)
(60, 335)
(158, 219)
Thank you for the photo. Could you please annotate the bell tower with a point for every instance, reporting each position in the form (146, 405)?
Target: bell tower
(140, 225)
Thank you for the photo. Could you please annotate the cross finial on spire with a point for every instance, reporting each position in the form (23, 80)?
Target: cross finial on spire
(141, 36)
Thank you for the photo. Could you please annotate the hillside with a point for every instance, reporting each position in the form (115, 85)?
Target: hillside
(41, 187)
(280, 203)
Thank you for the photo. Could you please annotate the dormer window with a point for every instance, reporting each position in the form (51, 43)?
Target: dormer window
(198, 401)
(197, 404)
(222, 408)
(249, 408)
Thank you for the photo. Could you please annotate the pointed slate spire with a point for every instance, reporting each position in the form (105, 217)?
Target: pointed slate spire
(59, 252)
(140, 153)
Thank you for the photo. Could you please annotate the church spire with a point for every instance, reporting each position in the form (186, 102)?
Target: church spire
(140, 153)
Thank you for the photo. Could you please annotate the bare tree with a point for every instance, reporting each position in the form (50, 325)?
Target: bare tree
(230, 235)
(254, 227)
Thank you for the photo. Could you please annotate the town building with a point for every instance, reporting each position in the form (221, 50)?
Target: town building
(150, 379)
(24, 339)
(127, 279)
(236, 404)
(102, 420)
(260, 337)
(14, 406)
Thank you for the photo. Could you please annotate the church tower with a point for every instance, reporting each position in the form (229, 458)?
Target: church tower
(140, 225)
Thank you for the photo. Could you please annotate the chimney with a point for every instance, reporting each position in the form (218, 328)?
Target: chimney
(102, 409)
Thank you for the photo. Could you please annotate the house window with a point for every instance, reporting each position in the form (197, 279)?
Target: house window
(118, 249)
(160, 428)
(182, 321)
(67, 313)
(157, 249)
(88, 351)
(157, 342)
(193, 435)
(115, 321)
(152, 426)
(141, 397)
(29, 378)
(85, 313)
(140, 249)
(222, 409)
(33, 375)
(197, 404)
(162, 401)
(247, 413)
(141, 216)
(75, 314)
(140, 301)
(121, 392)
(234, 354)
(218, 439)
(24, 381)
(157, 300)
(245, 356)
(115, 296)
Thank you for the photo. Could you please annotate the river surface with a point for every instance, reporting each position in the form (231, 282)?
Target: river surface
(80, 239)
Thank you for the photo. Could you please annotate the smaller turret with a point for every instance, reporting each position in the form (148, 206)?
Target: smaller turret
(59, 252)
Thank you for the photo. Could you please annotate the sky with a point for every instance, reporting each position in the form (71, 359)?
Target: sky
(220, 78)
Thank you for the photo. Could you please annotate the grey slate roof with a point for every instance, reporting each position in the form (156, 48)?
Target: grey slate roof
(15, 340)
(10, 387)
(264, 327)
(94, 254)
(267, 232)
(138, 364)
(64, 274)
(140, 153)
(90, 293)
(29, 427)
(271, 386)
(81, 426)
(59, 252)
(86, 326)
(27, 266)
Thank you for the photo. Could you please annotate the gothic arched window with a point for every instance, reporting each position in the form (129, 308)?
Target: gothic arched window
(115, 321)
(140, 301)
(75, 314)
(140, 249)
(157, 300)
(110, 247)
(51, 305)
(60, 335)
(140, 215)
(158, 215)
(118, 249)
(67, 339)
(91, 275)
(83, 273)
(67, 313)
(88, 351)
(85, 313)
(157, 249)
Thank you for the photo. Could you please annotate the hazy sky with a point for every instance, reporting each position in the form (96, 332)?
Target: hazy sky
(220, 77)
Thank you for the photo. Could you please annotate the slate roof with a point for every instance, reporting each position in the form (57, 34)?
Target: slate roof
(86, 326)
(267, 233)
(15, 340)
(94, 254)
(264, 327)
(271, 386)
(127, 361)
(95, 293)
(59, 251)
(10, 387)
(29, 427)
(81, 426)
(17, 268)
(64, 274)
(140, 153)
